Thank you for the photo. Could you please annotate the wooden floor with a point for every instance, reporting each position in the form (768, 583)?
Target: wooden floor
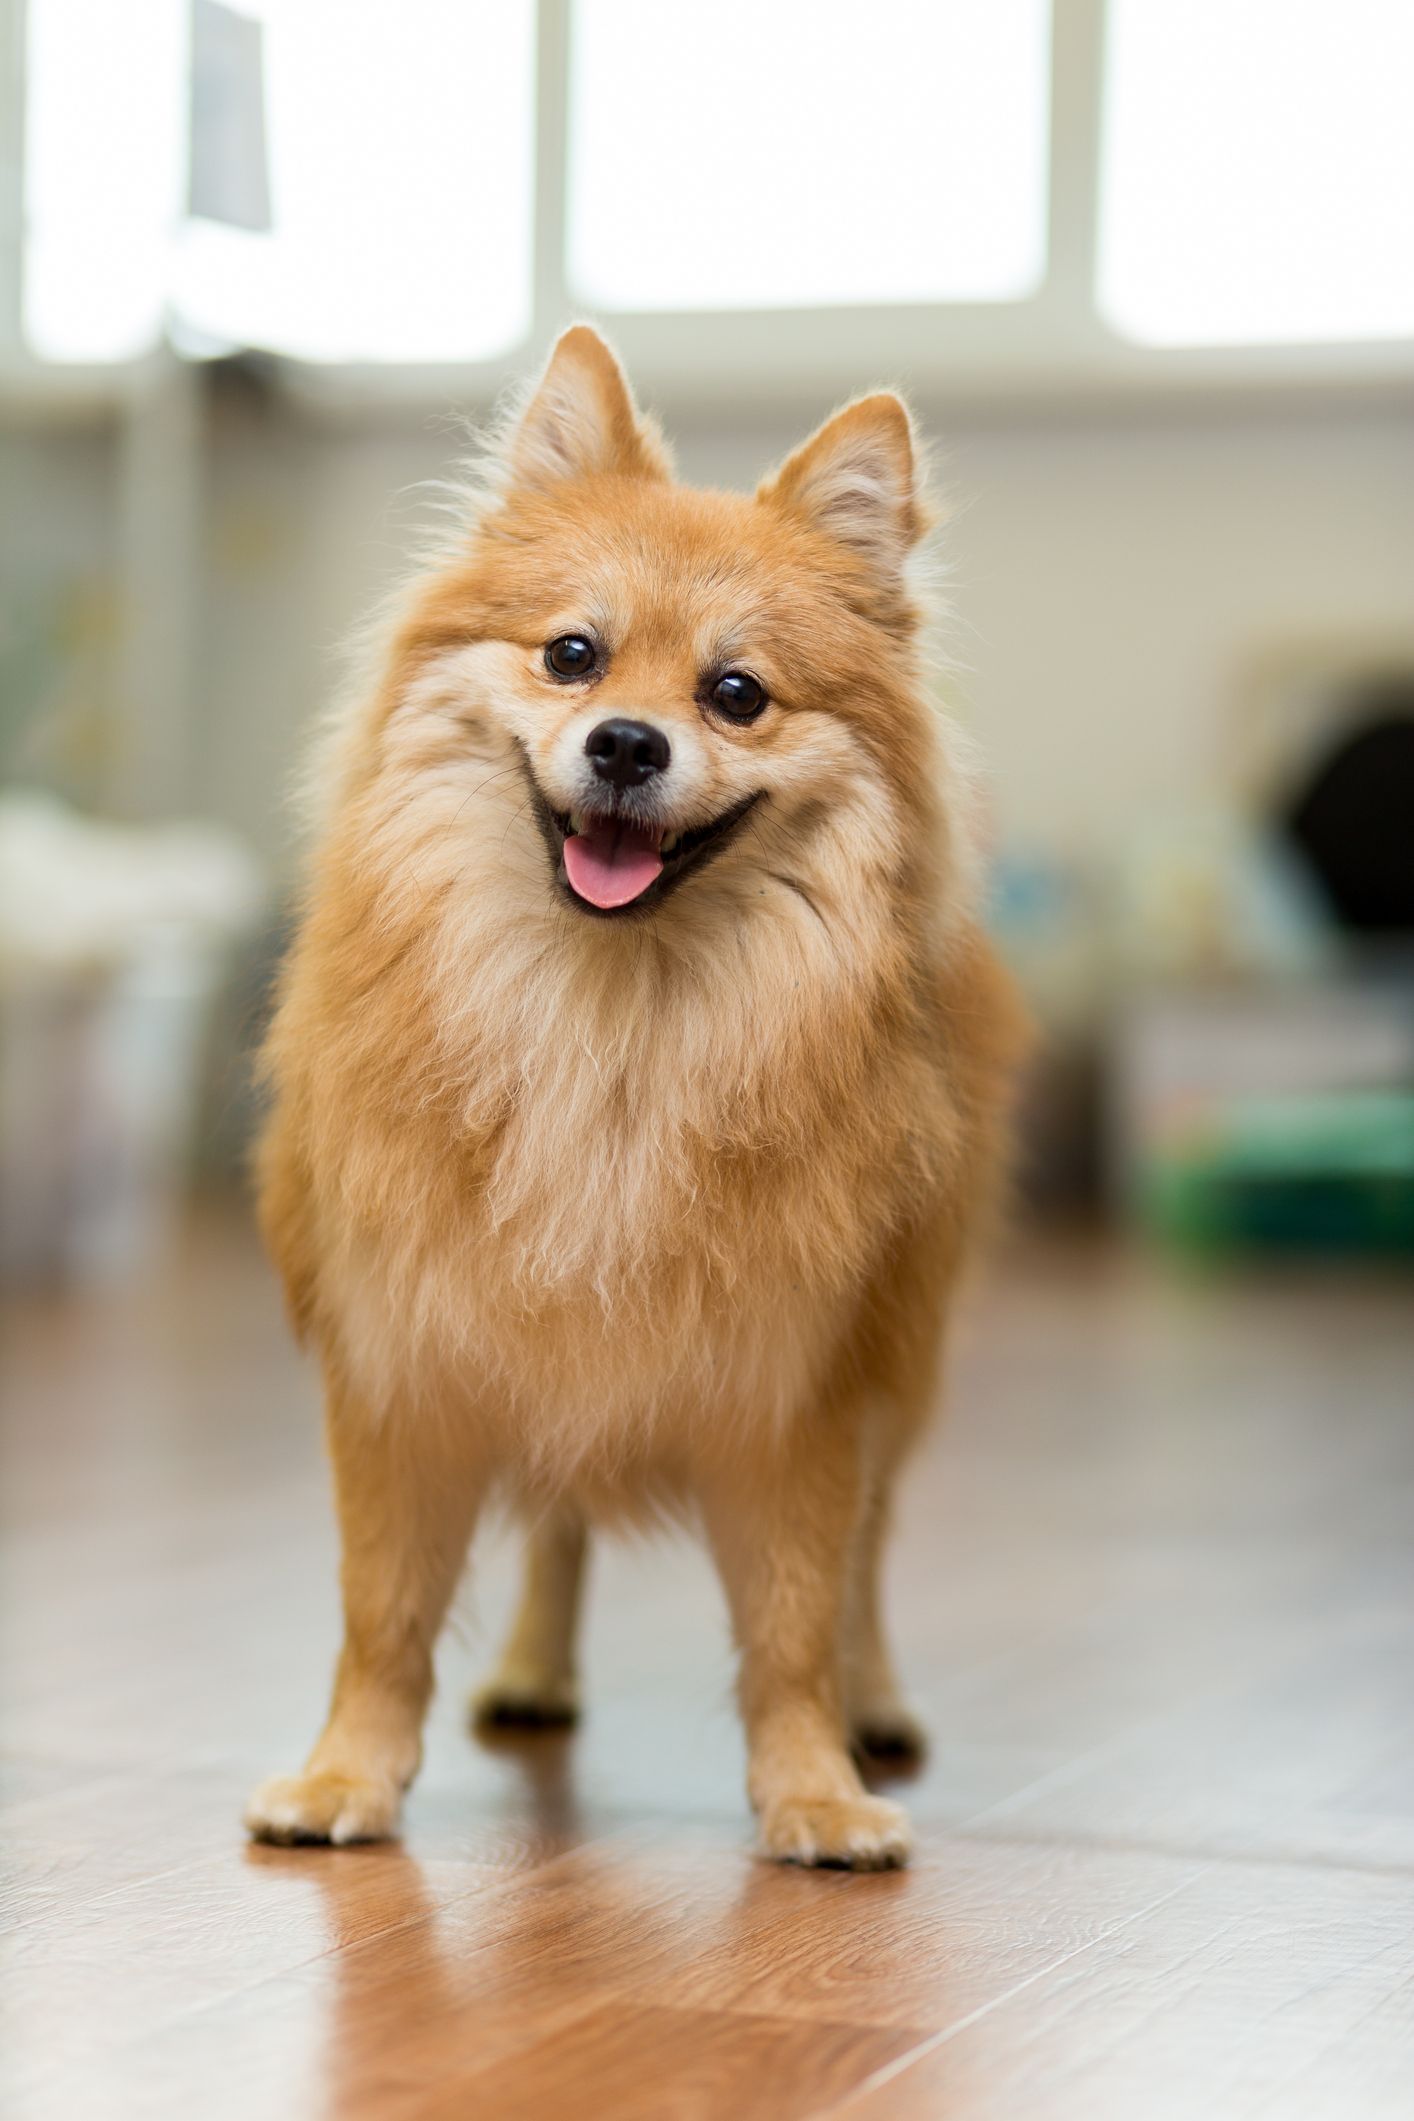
(1155, 1590)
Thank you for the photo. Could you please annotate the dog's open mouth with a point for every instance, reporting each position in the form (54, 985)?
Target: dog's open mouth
(611, 863)
(606, 862)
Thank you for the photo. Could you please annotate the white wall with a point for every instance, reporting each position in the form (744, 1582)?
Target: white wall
(1117, 582)
(1113, 575)
(57, 621)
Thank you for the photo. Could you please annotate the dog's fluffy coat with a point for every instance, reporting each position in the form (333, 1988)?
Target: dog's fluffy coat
(657, 1211)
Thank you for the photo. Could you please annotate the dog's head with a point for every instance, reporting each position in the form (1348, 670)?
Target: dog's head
(674, 697)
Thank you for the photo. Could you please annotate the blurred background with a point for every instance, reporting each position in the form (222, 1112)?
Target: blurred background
(1146, 269)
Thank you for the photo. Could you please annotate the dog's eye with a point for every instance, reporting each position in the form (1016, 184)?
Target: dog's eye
(738, 696)
(571, 656)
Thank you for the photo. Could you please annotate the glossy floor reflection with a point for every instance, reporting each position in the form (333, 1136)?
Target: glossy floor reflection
(1155, 1589)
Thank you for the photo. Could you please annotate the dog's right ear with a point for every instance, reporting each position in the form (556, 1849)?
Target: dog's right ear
(856, 480)
(581, 420)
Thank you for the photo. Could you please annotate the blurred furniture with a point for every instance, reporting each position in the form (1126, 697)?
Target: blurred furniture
(1276, 1117)
(113, 943)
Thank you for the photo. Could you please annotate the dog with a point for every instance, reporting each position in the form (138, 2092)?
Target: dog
(638, 1083)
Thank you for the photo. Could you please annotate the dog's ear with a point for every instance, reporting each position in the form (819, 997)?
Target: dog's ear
(581, 419)
(856, 480)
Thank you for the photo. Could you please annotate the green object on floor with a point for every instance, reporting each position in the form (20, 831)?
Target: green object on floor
(1333, 1173)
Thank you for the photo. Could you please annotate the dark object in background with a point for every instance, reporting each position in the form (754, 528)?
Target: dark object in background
(1281, 1117)
(1354, 820)
(1059, 1131)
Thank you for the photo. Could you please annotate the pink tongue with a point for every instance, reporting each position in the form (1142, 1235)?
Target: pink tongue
(612, 864)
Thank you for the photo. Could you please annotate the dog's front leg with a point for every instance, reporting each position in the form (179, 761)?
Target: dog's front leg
(783, 1534)
(406, 1499)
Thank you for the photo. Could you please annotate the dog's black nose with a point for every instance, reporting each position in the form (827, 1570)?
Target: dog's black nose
(626, 753)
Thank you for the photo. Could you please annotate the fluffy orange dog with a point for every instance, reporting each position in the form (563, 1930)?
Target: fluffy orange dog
(639, 1075)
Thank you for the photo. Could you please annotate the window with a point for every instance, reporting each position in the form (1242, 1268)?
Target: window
(104, 169)
(733, 154)
(400, 183)
(399, 141)
(987, 196)
(1258, 171)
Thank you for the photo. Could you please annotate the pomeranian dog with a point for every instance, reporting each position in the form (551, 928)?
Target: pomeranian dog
(638, 1080)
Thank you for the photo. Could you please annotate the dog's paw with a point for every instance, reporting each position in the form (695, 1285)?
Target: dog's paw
(514, 1700)
(889, 1730)
(323, 1807)
(841, 1833)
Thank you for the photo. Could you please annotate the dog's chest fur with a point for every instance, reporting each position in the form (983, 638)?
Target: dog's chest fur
(597, 1195)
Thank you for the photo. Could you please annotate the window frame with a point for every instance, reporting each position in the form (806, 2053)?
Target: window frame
(1053, 345)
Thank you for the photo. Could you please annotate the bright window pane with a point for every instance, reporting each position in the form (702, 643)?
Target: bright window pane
(400, 140)
(400, 177)
(1258, 171)
(105, 167)
(759, 153)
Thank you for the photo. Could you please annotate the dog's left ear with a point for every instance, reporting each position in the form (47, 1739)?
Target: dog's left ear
(856, 480)
(581, 420)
